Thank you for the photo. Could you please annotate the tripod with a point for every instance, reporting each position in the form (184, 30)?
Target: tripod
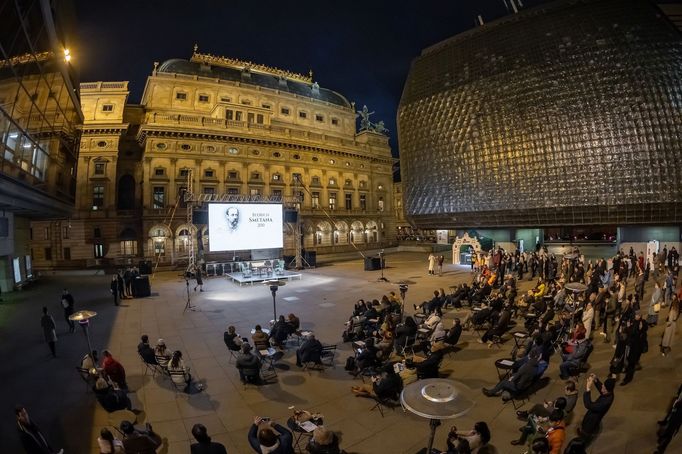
(382, 278)
(188, 304)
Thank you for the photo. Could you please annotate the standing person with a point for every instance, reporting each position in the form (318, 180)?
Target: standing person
(198, 277)
(588, 316)
(128, 281)
(670, 425)
(67, 305)
(49, 331)
(204, 445)
(121, 285)
(432, 263)
(441, 259)
(113, 288)
(654, 305)
(670, 325)
(637, 344)
(596, 410)
(33, 441)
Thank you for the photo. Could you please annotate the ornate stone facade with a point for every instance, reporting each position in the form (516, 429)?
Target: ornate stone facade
(240, 129)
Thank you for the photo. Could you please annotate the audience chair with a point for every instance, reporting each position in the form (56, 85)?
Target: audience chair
(86, 377)
(153, 367)
(381, 403)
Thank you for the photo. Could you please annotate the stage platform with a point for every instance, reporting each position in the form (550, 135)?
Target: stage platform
(254, 277)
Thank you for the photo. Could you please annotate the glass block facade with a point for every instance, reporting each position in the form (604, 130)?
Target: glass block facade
(565, 114)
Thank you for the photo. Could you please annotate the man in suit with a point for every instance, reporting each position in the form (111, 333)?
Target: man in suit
(596, 410)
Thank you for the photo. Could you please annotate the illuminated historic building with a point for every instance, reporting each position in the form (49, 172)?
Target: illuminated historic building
(39, 120)
(237, 128)
(566, 114)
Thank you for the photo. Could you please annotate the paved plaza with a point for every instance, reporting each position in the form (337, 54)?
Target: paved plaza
(58, 401)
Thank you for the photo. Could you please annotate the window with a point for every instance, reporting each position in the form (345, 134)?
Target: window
(186, 147)
(99, 168)
(66, 232)
(285, 111)
(302, 114)
(277, 193)
(349, 201)
(232, 175)
(238, 116)
(97, 196)
(129, 247)
(184, 173)
(266, 106)
(276, 177)
(161, 146)
(203, 98)
(332, 182)
(363, 202)
(250, 117)
(254, 191)
(246, 102)
(46, 233)
(315, 180)
(315, 159)
(225, 99)
(67, 253)
(332, 161)
(255, 176)
(276, 154)
(380, 204)
(296, 156)
(48, 253)
(233, 191)
(160, 247)
(296, 177)
(233, 150)
(102, 144)
(181, 196)
(348, 183)
(260, 119)
(335, 121)
(332, 200)
(159, 172)
(97, 232)
(208, 173)
(209, 190)
(319, 118)
(363, 184)
(159, 197)
(181, 96)
(316, 199)
(108, 108)
(98, 251)
(229, 114)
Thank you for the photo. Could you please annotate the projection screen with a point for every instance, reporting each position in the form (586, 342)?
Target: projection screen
(240, 226)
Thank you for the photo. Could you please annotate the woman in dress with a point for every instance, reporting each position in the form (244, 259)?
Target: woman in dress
(670, 325)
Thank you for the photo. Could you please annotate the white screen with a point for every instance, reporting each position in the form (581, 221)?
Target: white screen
(240, 226)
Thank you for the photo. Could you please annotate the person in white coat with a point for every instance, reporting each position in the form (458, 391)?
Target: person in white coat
(432, 263)
(588, 316)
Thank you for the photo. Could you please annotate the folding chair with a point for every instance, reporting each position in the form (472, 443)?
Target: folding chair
(328, 354)
(179, 387)
(381, 403)
(153, 367)
(86, 377)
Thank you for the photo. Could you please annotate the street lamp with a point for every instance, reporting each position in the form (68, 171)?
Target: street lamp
(83, 319)
(274, 285)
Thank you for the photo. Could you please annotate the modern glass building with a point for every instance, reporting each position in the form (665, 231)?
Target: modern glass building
(566, 114)
(39, 120)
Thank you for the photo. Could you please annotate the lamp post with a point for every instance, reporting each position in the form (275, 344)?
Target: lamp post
(274, 286)
(83, 319)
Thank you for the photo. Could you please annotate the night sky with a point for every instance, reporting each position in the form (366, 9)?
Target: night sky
(362, 50)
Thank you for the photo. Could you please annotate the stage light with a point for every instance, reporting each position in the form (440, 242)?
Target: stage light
(67, 55)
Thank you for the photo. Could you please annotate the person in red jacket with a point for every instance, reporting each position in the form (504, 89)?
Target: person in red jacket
(114, 370)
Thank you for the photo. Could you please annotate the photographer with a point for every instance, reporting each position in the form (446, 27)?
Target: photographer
(266, 437)
(596, 410)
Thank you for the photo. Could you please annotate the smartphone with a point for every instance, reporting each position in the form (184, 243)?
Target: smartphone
(265, 418)
(359, 350)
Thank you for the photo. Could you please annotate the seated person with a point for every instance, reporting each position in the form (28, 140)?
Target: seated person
(146, 351)
(385, 386)
(385, 343)
(479, 317)
(456, 297)
(359, 308)
(248, 365)
(519, 381)
(566, 403)
(323, 441)
(403, 332)
(429, 368)
(138, 440)
(309, 351)
(578, 335)
(232, 340)
(453, 334)
(162, 354)
(430, 306)
(179, 373)
(572, 360)
(111, 398)
(114, 370)
(266, 437)
(431, 321)
(500, 327)
(294, 323)
(474, 439)
(260, 339)
(279, 332)
(555, 432)
(367, 356)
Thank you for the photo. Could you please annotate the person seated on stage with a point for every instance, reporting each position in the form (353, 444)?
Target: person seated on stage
(519, 381)
(114, 370)
(572, 360)
(453, 334)
(260, 339)
(403, 332)
(146, 351)
(565, 403)
(279, 332)
(294, 323)
(232, 340)
(500, 327)
(309, 351)
(248, 365)
(89, 362)
(139, 440)
(111, 398)
(387, 385)
(179, 373)
(162, 354)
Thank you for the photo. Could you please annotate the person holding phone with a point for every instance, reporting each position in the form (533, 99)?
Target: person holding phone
(597, 409)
